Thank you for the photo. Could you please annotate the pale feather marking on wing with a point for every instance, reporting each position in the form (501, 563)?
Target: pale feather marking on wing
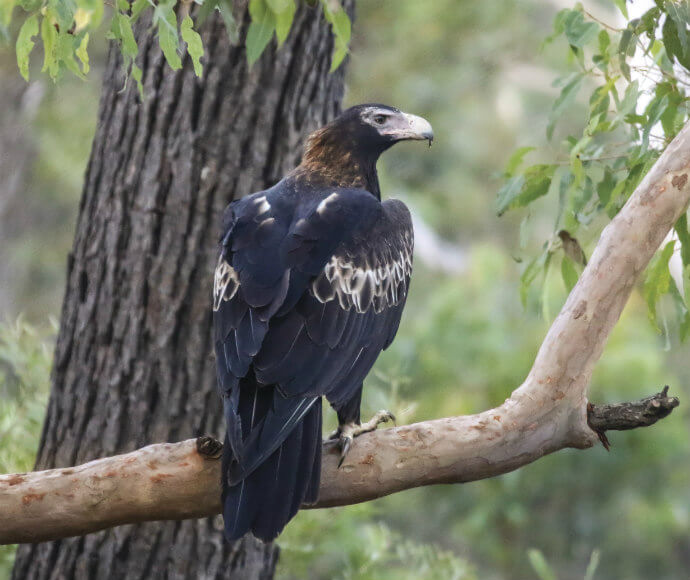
(225, 283)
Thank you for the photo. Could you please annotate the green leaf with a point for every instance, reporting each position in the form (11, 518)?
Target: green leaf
(604, 42)
(657, 281)
(260, 30)
(681, 229)
(564, 100)
(578, 31)
(540, 566)
(568, 273)
(6, 9)
(515, 159)
(626, 48)
(63, 11)
(66, 53)
(524, 189)
(284, 21)
(605, 187)
(649, 22)
(673, 44)
(670, 116)
(537, 185)
(28, 5)
(49, 38)
(622, 7)
(655, 110)
(25, 44)
(82, 53)
(682, 312)
(164, 17)
(508, 193)
(195, 47)
(278, 6)
(137, 75)
(598, 106)
(342, 30)
(129, 43)
(530, 273)
(678, 11)
(137, 8)
(629, 102)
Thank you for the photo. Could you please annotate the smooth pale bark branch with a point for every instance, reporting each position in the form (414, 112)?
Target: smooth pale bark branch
(172, 481)
(548, 412)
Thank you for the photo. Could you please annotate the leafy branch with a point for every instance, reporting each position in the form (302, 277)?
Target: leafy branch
(637, 80)
(64, 28)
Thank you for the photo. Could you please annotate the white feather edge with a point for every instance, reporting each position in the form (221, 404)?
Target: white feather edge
(225, 283)
(347, 281)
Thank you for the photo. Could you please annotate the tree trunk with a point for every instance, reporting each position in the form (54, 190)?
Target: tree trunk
(133, 361)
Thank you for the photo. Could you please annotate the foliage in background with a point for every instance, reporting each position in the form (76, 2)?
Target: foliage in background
(545, 572)
(25, 359)
(65, 27)
(475, 71)
(353, 545)
(637, 79)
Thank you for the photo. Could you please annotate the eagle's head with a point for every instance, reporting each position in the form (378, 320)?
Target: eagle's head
(374, 128)
(345, 151)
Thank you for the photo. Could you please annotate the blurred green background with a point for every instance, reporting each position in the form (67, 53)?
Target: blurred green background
(477, 72)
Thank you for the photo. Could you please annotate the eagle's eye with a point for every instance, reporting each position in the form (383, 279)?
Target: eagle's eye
(380, 119)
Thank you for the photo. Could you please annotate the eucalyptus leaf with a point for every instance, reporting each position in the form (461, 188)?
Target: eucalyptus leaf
(168, 38)
(578, 31)
(564, 100)
(284, 21)
(679, 11)
(25, 44)
(82, 53)
(657, 281)
(260, 30)
(195, 47)
(342, 30)
(49, 38)
(568, 273)
(524, 189)
(516, 159)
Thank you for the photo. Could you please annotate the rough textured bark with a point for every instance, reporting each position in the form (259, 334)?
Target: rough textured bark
(133, 359)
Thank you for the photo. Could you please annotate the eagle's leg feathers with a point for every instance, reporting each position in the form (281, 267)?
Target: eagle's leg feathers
(345, 434)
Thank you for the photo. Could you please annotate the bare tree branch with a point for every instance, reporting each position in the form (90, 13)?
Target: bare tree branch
(182, 480)
(546, 413)
(624, 416)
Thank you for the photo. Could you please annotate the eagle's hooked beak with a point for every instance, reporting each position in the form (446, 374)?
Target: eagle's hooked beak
(411, 127)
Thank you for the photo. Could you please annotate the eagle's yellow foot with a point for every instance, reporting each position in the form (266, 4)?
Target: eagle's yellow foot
(346, 433)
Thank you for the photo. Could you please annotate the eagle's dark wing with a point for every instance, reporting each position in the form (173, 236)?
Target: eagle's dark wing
(307, 293)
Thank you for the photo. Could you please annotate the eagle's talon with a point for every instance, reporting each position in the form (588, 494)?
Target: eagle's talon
(382, 416)
(346, 433)
(345, 443)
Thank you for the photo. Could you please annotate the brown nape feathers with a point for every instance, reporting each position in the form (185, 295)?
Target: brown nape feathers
(331, 160)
